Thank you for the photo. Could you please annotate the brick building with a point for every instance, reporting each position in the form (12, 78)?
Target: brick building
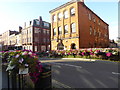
(36, 36)
(7, 38)
(74, 26)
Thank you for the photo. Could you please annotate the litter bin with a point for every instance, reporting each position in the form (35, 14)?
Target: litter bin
(44, 80)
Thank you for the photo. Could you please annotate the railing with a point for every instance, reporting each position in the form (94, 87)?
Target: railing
(17, 81)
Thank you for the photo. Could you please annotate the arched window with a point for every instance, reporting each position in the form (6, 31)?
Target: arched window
(73, 46)
(60, 46)
(72, 11)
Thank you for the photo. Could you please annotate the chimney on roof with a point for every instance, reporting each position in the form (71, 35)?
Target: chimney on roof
(20, 29)
(40, 19)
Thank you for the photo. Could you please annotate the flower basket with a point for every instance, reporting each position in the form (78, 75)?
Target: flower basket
(23, 62)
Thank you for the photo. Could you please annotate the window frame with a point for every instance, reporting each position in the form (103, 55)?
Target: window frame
(65, 13)
(54, 18)
(72, 13)
(54, 31)
(66, 29)
(90, 29)
(73, 28)
(59, 16)
(59, 30)
(90, 16)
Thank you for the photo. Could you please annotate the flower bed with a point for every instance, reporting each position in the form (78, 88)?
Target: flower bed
(22, 62)
(95, 53)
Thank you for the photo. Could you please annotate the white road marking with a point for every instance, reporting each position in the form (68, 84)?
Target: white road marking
(68, 65)
(60, 84)
(115, 73)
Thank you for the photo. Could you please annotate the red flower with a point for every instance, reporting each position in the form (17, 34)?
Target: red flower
(108, 54)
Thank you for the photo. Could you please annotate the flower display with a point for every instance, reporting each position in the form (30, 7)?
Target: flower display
(23, 59)
(101, 53)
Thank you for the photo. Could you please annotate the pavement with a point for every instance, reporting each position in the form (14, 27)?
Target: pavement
(45, 60)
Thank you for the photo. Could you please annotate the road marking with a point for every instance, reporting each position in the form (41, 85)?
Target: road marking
(60, 84)
(115, 73)
(68, 65)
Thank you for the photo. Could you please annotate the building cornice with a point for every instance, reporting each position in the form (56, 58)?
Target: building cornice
(62, 6)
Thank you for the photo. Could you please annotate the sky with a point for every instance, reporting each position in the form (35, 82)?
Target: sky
(14, 13)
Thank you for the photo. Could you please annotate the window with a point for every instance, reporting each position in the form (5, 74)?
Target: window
(30, 39)
(66, 29)
(72, 11)
(65, 14)
(59, 16)
(37, 22)
(54, 18)
(59, 30)
(44, 40)
(36, 48)
(99, 34)
(94, 19)
(98, 22)
(44, 31)
(73, 27)
(106, 27)
(36, 30)
(48, 32)
(46, 24)
(94, 32)
(54, 31)
(36, 39)
(90, 16)
(90, 30)
(48, 40)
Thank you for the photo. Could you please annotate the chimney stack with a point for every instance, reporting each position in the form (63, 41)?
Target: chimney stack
(20, 29)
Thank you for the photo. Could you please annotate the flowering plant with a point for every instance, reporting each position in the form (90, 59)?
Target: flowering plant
(24, 59)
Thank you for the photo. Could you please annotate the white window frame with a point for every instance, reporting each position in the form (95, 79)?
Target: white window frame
(59, 30)
(66, 29)
(54, 31)
(54, 18)
(65, 14)
(73, 27)
(72, 11)
(59, 16)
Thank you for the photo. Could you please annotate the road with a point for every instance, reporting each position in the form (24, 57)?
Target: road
(85, 74)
